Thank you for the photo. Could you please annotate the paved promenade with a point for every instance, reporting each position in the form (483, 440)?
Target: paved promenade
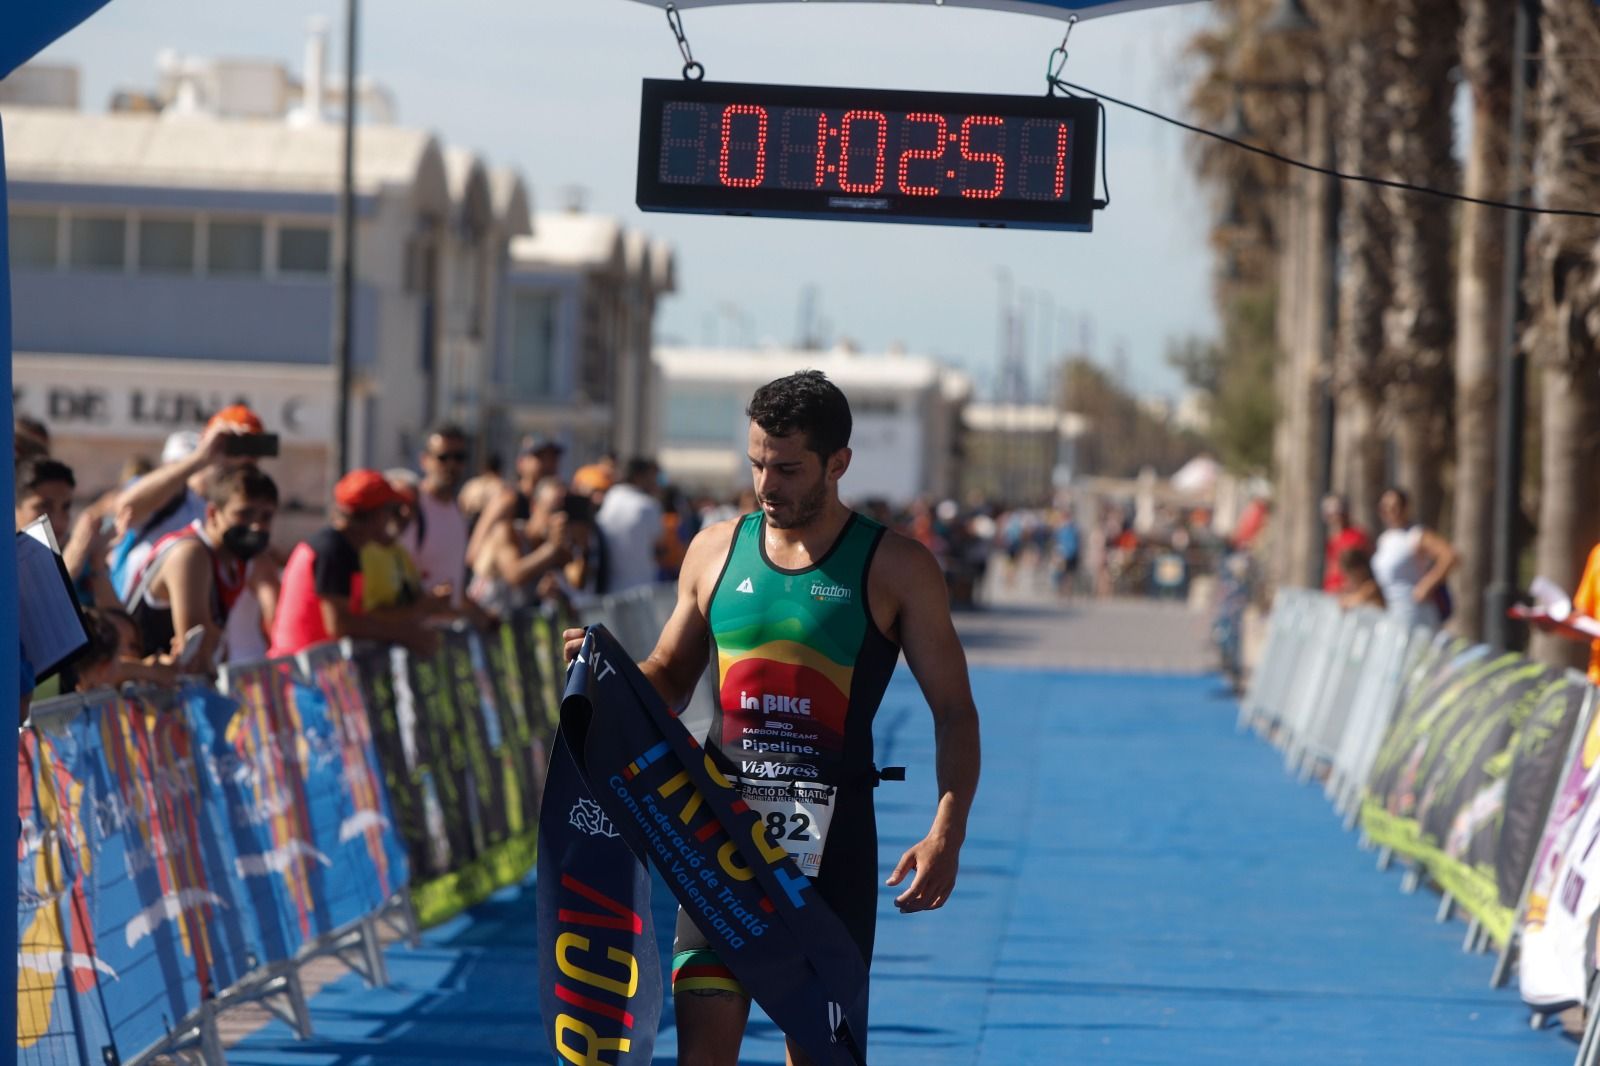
(1141, 885)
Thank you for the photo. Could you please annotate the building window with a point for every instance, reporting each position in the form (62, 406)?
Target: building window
(235, 248)
(99, 243)
(33, 242)
(166, 246)
(703, 416)
(533, 345)
(305, 250)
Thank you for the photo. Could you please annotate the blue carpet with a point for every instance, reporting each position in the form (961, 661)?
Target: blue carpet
(1140, 885)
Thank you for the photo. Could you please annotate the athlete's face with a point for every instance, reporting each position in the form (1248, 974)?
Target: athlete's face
(793, 484)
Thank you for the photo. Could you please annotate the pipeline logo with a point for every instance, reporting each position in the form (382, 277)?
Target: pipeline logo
(606, 996)
(825, 591)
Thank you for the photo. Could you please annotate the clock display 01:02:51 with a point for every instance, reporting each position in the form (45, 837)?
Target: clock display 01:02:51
(866, 152)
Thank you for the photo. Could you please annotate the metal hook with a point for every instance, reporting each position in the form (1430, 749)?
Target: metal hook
(692, 71)
(1058, 57)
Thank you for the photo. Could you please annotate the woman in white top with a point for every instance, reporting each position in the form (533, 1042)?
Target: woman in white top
(1410, 563)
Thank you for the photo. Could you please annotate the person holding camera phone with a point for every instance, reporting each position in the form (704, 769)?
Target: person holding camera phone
(173, 496)
(194, 576)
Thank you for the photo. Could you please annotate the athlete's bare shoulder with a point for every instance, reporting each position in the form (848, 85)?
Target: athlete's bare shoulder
(903, 558)
(705, 556)
(903, 573)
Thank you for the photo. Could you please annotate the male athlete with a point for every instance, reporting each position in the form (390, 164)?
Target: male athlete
(805, 606)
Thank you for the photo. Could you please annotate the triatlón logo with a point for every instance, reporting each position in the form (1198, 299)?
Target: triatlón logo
(745, 586)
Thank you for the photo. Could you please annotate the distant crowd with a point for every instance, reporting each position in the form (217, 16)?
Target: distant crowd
(178, 571)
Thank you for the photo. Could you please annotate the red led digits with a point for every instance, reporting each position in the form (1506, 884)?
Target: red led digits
(912, 155)
(729, 113)
(1061, 160)
(822, 147)
(996, 158)
(882, 122)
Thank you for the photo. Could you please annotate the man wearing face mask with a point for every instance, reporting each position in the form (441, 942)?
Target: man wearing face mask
(194, 575)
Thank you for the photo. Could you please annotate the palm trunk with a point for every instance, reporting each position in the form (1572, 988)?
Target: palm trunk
(1565, 281)
(1480, 304)
(1420, 325)
(1365, 280)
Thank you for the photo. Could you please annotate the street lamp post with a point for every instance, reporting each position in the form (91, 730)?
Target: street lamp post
(1503, 583)
(344, 292)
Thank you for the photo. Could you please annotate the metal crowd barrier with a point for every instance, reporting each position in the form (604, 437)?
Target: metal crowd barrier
(1479, 772)
(188, 852)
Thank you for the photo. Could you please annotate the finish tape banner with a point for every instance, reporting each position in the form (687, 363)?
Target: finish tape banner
(626, 776)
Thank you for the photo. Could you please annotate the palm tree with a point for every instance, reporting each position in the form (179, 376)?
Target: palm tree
(1366, 240)
(1420, 324)
(1564, 289)
(1488, 65)
(1262, 223)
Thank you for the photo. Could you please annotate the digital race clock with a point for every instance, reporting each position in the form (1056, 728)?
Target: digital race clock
(868, 154)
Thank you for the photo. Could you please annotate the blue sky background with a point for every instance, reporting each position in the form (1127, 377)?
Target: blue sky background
(551, 87)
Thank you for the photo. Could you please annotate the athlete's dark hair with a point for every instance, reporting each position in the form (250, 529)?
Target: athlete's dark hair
(447, 431)
(248, 482)
(806, 402)
(41, 470)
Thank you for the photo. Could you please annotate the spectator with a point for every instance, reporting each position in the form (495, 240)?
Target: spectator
(193, 576)
(1410, 564)
(174, 494)
(30, 438)
(594, 481)
(44, 489)
(1342, 537)
(480, 491)
(630, 522)
(437, 539)
(321, 597)
(517, 556)
(538, 458)
(389, 575)
(1068, 549)
(1360, 588)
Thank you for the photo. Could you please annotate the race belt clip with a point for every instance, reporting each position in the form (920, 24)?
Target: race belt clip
(888, 773)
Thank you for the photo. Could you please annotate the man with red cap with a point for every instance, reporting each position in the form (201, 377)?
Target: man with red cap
(321, 598)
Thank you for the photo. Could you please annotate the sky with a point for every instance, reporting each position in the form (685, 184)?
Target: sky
(551, 87)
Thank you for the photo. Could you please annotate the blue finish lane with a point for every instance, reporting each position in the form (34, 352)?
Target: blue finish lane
(1140, 884)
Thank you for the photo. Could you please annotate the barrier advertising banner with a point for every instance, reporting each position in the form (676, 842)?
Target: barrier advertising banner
(370, 850)
(1537, 760)
(1564, 892)
(652, 786)
(136, 918)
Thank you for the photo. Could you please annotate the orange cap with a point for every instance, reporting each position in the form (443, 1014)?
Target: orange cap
(592, 478)
(237, 415)
(361, 491)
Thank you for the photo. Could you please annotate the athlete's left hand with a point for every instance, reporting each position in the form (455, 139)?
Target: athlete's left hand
(935, 859)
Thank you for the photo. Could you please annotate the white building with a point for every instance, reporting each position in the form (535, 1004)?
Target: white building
(178, 254)
(581, 296)
(906, 410)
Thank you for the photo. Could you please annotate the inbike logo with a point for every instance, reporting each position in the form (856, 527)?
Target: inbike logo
(826, 591)
(777, 769)
(772, 703)
(745, 586)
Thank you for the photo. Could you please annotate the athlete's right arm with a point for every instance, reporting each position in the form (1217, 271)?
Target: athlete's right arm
(679, 658)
